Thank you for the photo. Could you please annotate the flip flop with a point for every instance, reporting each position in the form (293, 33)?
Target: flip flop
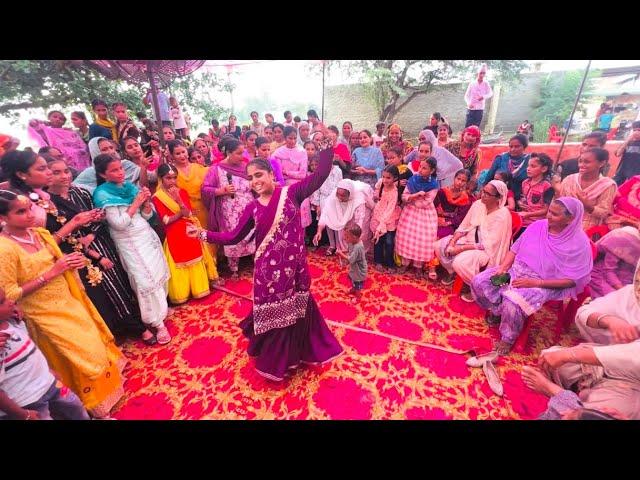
(493, 378)
(151, 340)
(162, 334)
(479, 361)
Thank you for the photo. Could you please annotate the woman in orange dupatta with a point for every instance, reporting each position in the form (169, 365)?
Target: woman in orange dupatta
(190, 179)
(189, 261)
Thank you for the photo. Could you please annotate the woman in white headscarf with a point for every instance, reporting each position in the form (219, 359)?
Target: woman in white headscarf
(482, 240)
(99, 145)
(303, 133)
(352, 201)
(448, 163)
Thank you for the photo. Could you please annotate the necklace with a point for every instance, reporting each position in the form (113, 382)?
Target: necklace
(31, 240)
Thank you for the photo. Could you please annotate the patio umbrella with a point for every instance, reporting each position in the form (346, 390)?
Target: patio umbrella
(158, 73)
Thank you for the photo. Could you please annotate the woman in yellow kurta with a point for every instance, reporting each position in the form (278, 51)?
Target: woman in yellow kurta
(59, 315)
(190, 179)
(189, 259)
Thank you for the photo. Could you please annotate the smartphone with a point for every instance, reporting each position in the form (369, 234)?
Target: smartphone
(500, 280)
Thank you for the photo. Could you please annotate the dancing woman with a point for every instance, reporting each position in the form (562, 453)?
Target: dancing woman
(285, 327)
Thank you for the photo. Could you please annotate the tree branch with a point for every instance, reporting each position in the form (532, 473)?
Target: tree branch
(7, 107)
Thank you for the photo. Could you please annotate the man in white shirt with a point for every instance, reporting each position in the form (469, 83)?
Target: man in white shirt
(477, 92)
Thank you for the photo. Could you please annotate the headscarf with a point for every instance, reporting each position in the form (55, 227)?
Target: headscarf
(483, 68)
(395, 126)
(448, 163)
(94, 149)
(502, 189)
(112, 195)
(337, 214)
(300, 140)
(475, 131)
(566, 255)
(5, 142)
(87, 178)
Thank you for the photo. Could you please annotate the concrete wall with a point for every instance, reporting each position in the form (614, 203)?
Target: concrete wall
(348, 102)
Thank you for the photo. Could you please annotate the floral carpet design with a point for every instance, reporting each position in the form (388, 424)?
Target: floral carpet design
(384, 372)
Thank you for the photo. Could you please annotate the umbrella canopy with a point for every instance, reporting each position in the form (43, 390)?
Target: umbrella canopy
(137, 71)
(156, 72)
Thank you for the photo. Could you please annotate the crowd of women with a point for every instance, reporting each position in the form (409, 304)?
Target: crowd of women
(98, 232)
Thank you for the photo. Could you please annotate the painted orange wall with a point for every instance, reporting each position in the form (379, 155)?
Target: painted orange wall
(570, 150)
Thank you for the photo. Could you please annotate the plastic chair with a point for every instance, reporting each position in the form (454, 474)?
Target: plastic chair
(516, 225)
(596, 232)
(566, 315)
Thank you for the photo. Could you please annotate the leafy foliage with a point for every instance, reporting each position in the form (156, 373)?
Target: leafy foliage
(391, 84)
(557, 97)
(51, 84)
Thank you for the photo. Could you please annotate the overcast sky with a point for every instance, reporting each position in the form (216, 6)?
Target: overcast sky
(291, 81)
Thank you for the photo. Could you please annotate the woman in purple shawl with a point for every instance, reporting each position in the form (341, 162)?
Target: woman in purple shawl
(226, 192)
(552, 260)
(285, 327)
(618, 254)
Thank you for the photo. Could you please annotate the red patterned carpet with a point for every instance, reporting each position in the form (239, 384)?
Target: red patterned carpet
(205, 372)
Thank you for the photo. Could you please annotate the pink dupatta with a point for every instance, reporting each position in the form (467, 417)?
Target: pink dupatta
(596, 189)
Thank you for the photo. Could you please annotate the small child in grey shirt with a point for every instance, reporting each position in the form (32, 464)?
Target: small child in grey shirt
(357, 259)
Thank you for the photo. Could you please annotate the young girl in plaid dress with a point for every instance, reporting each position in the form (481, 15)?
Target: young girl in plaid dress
(416, 233)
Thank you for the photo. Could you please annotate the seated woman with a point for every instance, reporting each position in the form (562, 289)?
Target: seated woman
(482, 239)
(595, 191)
(552, 260)
(60, 317)
(618, 253)
(394, 139)
(466, 149)
(514, 161)
(127, 211)
(606, 371)
(607, 378)
(452, 204)
(614, 318)
(626, 205)
(188, 259)
(351, 201)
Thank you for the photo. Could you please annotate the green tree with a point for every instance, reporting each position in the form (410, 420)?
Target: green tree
(197, 92)
(391, 84)
(66, 83)
(557, 97)
(51, 83)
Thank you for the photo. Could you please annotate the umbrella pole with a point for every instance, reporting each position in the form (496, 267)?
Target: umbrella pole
(156, 105)
(322, 110)
(575, 105)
